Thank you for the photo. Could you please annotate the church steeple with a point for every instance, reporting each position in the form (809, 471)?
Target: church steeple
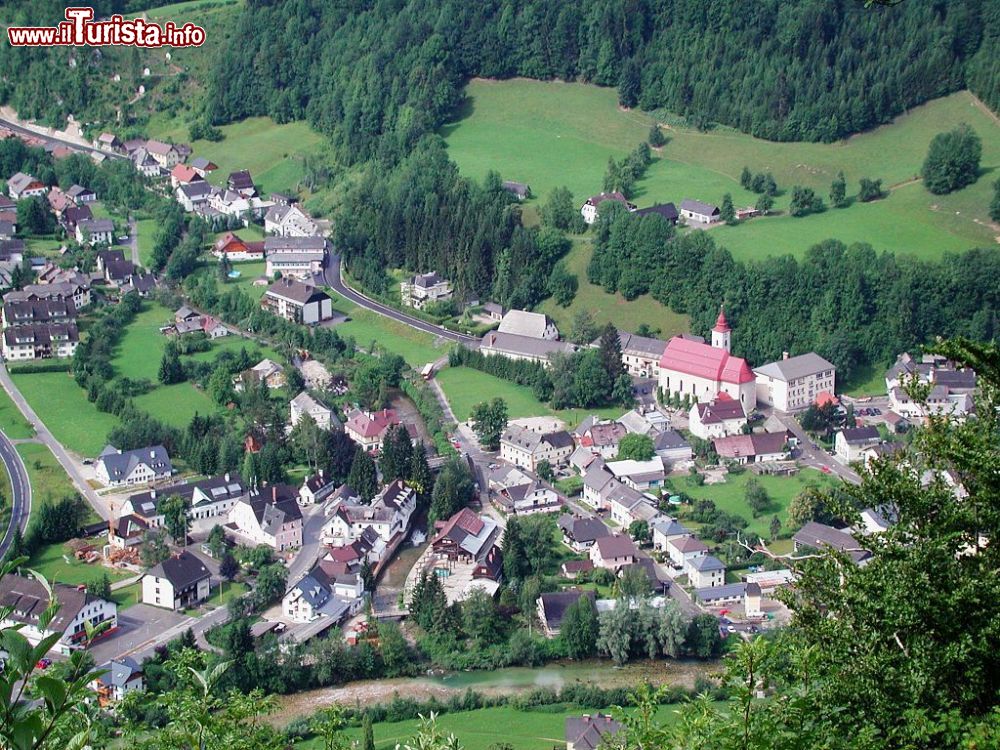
(722, 333)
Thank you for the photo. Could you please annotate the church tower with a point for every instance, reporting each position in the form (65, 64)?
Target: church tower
(722, 333)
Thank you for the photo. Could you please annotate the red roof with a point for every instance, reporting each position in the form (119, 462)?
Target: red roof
(721, 324)
(373, 424)
(704, 361)
(825, 397)
(184, 173)
(229, 243)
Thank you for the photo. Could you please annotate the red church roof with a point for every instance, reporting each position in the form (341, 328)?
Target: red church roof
(704, 361)
(721, 324)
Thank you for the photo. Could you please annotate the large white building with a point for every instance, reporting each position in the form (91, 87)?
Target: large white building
(701, 372)
(533, 325)
(527, 448)
(388, 515)
(117, 468)
(297, 302)
(424, 289)
(302, 257)
(793, 383)
(179, 582)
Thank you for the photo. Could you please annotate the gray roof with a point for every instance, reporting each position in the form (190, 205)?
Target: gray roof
(698, 207)
(525, 346)
(40, 333)
(714, 593)
(555, 604)
(706, 564)
(588, 732)
(119, 671)
(28, 599)
(96, 225)
(530, 440)
(794, 368)
(583, 530)
(294, 290)
(120, 464)
(667, 210)
(524, 323)
(294, 244)
(274, 506)
(669, 439)
(315, 586)
(76, 191)
(183, 570)
(818, 535)
(19, 181)
(861, 434)
(669, 527)
(198, 189)
(200, 162)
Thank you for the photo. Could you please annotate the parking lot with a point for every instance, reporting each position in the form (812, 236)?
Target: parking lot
(136, 626)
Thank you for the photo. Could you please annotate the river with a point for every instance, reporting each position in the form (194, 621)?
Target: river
(681, 673)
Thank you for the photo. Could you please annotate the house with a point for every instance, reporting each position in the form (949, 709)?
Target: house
(210, 326)
(581, 459)
(719, 417)
(639, 475)
(74, 215)
(316, 488)
(179, 582)
(603, 438)
(700, 372)
(306, 404)
(597, 482)
(266, 371)
(206, 498)
(317, 594)
(526, 498)
(117, 468)
(470, 540)
(573, 568)
(21, 186)
(613, 552)
(235, 249)
(242, 182)
(878, 452)
(589, 732)
(182, 174)
(758, 447)
(19, 312)
(640, 354)
(368, 547)
(126, 531)
(628, 505)
(793, 383)
(850, 443)
(819, 536)
(703, 213)
(753, 600)
(705, 571)
(193, 195)
(302, 257)
(423, 289)
(579, 534)
(388, 515)
(368, 429)
(297, 302)
(666, 210)
(121, 677)
(552, 606)
(721, 596)
(665, 530)
(113, 266)
(95, 231)
(519, 190)
(527, 448)
(286, 220)
(203, 166)
(673, 449)
(76, 290)
(40, 341)
(532, 325)
(81, 195)
(58, 201)
(527, 348)
(165, 155)
(493, 311)
(145, 164)
(108, 142)
(7, 229)
(682, 549)
(271, 517)
(589, 209)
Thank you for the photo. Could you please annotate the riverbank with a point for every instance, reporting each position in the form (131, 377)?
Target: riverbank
(510, 681)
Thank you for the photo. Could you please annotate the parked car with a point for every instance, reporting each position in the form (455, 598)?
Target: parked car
(44, 663)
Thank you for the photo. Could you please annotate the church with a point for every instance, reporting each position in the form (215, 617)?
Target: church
(702, 372)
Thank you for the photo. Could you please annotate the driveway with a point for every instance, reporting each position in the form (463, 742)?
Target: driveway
(138, 626)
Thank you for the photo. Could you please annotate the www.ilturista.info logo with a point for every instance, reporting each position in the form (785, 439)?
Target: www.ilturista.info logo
(80, 30)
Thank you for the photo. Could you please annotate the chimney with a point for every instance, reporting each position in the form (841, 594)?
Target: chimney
(320, 473)
(152, 493)
(226, 476)
(274, 493)
(152, 454)
(784, 355)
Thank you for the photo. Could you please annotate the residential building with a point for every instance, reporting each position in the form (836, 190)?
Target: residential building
(80, 194)
(753, 600)
(706, 571)
(388, 515)
(27, 599)
(203, 166)
(552, 606)
(21, 312)
(301, 257)
(613, 552)
(241, 181)
(519, 190)
(285, 220)
(819, 536)
(182, 174)
(673, 449)
(368, 429)
(701, 372)
(527, 448)
(74, 215)
(165, 155)
(179, 582)
(729, 594)
(95, 231)
(194, 195)
(639, 475)
(702, 213)
(317, 594)
(117, 468)
(590, 732)
(597, 482)
(850, 443)
(58, 200)
(579, 534)
(757, 447)
(682, 549)
(527, 498)
(316, 488)
(68, 290)
(528, 348)
(126, 531)
(628, 505)
(717, 418)
(423, 289)
(235, 249)
(21, 186)
(145, 164)
(206, 498)
(589, 210)
(266, 371)
(878, 452)
(113, 265)
(270, 517)
(603, 438)
(665, 530)
(793, 383)
(121, 677)
(470, 540)
(667, 211)
(532, 325)
(108, 142)
(640, 354)
(306, 404)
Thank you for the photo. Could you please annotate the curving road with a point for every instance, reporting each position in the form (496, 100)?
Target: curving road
(20, 491)
(333, 277)
(72, 145)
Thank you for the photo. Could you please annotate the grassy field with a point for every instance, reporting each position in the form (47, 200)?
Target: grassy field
(466, 387)
(550, 134)
(58, 565)
(63, 406)
(367, 328)
(610, 308)
(729, 497)
(145, 232)
(483, 728)
(12, 422)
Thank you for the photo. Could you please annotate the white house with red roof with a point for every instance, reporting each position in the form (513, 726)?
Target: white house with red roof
(719, 417)
(368, 428)
(702, 371)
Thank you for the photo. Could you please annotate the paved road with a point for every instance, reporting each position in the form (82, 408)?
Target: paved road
(333, 278)
(68, 144)
(20, 492)
(44, 436)
(312, 522)
(815, 457)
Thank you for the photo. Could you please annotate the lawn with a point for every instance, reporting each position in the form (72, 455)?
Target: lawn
(465, 387)
(550, 134)
(63, 406)
(145, 232)
(221, 598)
(866, 381)
(59, 566)
(49, 482)
(127, 596)
(729, 497)
(610, 308)
(248, 273)
(538, 729)
(12, 422)
(367, 328)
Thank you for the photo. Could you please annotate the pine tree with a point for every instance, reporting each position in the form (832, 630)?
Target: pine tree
(746, 178)
(726, 211)
(656, 138)
(610, 352)
(995, 203)
(838, 191)
(363, 476)
(369, 734)
(250, 470)
(420, 476)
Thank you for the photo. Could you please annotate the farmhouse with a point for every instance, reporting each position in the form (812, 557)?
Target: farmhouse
(298, 256)
(21, 186)
(527, 448)
(701, 372)
(368, 429)
(716, 418)
(270, 517)
(793, 383)
(95, 231)
(666, 210)
(532, 325)
(286, 220)
(552, 608)
(28, 599)
(179, 582)
(117, 468)
(703, 213)
(306, 404)
(758, 447)
(468, 539)
(298, 302)
(528, 348)
(423, 289)
(849, 444)
(589, 210)
(317, 594)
